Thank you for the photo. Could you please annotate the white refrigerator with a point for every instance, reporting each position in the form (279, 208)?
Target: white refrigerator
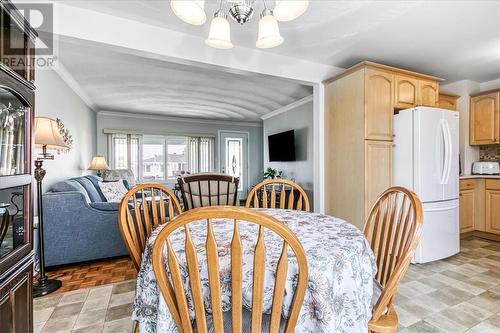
(426, 161)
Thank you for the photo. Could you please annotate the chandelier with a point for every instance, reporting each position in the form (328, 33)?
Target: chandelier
(241, 11)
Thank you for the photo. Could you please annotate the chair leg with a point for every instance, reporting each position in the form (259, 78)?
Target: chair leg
(135, 327)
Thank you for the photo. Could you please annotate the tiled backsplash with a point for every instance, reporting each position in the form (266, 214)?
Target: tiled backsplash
(489, 153)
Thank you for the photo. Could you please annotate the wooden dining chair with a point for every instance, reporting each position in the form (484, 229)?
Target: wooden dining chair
(173, 291)
(208, 189)
(272, 193)
(141, 210)
(393, 229)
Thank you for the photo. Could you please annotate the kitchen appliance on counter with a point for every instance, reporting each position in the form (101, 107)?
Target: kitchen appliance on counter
(485, 168)
(426, 161)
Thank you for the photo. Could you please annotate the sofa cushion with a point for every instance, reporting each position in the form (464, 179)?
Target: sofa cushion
(126, 175)
(95, 180)
(113, 191)
(90, 188)
(70, 185)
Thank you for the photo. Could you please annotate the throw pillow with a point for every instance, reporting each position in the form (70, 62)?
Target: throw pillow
(113, 191)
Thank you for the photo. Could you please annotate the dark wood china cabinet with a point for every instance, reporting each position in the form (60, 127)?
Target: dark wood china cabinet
(17, 101)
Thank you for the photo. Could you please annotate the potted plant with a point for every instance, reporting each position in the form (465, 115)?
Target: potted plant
(270, 173)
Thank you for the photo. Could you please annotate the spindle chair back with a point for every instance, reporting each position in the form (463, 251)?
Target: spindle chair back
(208, 189)
(393, 229)
(141, 210)
(171, 280)
(272, 193)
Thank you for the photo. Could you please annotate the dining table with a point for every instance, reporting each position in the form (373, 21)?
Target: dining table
(341, 268)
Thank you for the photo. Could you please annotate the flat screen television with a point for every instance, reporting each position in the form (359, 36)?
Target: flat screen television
(282, 146)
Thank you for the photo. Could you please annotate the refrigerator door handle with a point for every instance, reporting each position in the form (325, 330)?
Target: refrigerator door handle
(449, 152)
(444, 151)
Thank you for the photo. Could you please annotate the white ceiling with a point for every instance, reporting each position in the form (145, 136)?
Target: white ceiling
(116, 81)
(451, 39)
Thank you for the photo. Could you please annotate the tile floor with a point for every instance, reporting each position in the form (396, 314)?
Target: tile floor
(99, 309)
(458, 294)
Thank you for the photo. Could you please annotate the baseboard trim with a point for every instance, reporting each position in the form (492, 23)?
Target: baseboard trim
(481, 234)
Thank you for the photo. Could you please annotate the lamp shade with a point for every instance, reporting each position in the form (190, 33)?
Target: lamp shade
(47, 134)
(220, 33)
(287, 10)
(269, 32)
(190, 11)
(98, 163)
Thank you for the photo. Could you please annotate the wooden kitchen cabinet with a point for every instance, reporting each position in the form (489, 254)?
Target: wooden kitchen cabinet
(484, 119)
(379, 107)
(448, 101)
(467, 210)
(493, 211)
(428, 93)
(406, 92)
(493, 206)
(378, 171)
(359, 109)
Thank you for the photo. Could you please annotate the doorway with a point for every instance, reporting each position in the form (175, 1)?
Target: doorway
(233, 157)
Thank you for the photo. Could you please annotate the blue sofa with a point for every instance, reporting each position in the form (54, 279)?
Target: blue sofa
(79, 225)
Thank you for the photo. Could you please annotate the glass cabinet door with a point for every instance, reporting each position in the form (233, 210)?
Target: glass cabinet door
(13, 218)
(13, 119)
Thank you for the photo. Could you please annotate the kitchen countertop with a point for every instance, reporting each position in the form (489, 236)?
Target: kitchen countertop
(480, 176)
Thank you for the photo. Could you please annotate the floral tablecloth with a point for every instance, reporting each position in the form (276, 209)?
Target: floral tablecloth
(341, 271)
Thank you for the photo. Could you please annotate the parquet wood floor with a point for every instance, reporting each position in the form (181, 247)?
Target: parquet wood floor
(93, 274)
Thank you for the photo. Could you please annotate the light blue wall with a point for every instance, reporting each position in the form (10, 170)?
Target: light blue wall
(164, 125)
(299, 119)
(55, 99)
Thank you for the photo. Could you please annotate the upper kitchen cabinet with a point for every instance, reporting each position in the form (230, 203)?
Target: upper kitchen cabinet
(379, 105)
(406, 91)
(411, 91)
(447, 101)
(428, 93)
(484, 119)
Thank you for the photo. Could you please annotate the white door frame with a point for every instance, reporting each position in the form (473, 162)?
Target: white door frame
(220, 158)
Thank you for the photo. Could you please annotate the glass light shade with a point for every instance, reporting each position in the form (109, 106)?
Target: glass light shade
(220, 34)
(287, 10)
(269, 32)
(47, 134)
(190, 11)
(98, 163)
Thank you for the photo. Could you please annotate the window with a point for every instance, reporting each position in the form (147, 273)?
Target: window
(161, 158)
(125, 152)
(177, 157)
(234, 150)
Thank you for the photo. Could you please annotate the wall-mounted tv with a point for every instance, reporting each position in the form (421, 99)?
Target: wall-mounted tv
(282, 146)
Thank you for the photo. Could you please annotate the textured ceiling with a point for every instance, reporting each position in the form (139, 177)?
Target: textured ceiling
(450, 39)
(116, 81)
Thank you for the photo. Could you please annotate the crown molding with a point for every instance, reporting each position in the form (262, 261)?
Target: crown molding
(178, 119)
(74, 85)
(288, 107)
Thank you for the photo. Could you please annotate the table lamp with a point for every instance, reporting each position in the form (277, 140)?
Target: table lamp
(98, 163)
(48, 137)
